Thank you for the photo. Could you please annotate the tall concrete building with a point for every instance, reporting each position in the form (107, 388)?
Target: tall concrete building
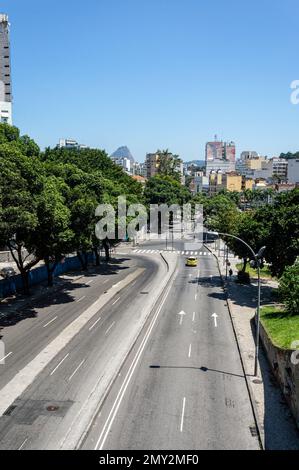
(5, 72)
(220, 156)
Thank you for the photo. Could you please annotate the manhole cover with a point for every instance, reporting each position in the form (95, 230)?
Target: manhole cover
(52, 408)
(257, 381)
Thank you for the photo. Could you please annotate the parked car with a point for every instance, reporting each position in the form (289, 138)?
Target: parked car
(7, 272)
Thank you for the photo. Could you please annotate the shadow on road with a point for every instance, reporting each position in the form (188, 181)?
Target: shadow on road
(59, 294)
(202, 369)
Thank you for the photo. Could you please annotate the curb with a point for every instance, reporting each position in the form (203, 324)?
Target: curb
(259, 426)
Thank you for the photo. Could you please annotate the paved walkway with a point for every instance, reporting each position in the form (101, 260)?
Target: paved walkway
(274, 417)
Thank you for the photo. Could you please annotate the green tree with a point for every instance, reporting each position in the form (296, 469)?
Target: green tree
(289, 288)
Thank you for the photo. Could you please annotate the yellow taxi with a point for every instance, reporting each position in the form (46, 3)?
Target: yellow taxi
(191, 261)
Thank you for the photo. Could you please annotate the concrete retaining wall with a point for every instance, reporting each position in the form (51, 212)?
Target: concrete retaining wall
(285, 372)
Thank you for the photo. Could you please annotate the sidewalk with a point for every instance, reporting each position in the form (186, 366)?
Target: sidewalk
(276, 424)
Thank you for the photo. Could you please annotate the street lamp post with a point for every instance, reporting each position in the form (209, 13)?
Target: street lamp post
(257, 261)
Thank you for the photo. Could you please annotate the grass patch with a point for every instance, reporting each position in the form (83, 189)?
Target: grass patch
(265, 271)
(283, 329)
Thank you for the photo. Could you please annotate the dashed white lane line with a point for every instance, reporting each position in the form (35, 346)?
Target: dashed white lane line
(190, 350)
(193, 317)
(49, 322)
(24, 377)
(183, 414)
(22, 445)
(81, 298)
(106, 280)
(116, 301)
(2, 359)
(181, 319)
(90, 282)
(111, 326)
(58, 365)
(77, 368)
(195, 297)
(94, 324)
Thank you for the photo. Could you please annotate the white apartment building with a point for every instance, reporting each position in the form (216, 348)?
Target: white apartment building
(5, 72)
(293, 170)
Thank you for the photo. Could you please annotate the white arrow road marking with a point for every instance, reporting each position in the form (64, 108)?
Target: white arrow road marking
(215, 316)
(182, 313)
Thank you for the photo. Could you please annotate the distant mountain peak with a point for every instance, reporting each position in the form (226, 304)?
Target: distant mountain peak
(123, 152)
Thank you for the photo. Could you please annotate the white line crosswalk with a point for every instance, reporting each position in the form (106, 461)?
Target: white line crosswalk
(184, 253)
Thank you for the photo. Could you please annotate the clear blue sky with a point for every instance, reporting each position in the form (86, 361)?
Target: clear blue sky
(156, 73)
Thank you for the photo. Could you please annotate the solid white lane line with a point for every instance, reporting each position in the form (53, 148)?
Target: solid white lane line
(2, 359)
(94, 324)
(22, 445)
(58, 365)
(115, 407)
(76, 370)
(116, 301)
(193, 317)
(107, 331)
(190, 349)
(81, 298)
(49, 322)
(183, 414)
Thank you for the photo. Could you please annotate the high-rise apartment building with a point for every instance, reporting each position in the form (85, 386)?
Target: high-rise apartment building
(5, 72)
(220, 156)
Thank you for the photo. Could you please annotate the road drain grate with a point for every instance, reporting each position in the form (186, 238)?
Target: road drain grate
(144, 293)
(253, 431)
(52, 408)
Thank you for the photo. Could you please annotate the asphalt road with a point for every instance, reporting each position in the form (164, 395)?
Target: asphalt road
(182, 386)
(53, 411)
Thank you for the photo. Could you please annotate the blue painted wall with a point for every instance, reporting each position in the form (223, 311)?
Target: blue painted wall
(38, 275)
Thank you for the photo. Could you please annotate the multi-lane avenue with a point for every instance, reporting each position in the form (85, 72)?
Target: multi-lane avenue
(183, 386)
(142, 356)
